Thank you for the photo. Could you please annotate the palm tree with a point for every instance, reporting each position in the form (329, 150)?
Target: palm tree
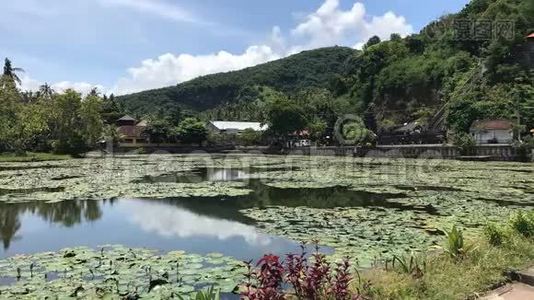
(94, 92)
(46, 91)
(10, 72)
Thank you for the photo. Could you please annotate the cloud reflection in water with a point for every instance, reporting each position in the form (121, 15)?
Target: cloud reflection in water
(168, 221)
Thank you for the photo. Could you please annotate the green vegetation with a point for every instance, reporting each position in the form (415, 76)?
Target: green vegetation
(356, 205)
(114, 270)
(313, 68)
(524, 224)
(436, 77)
(46, 121)
(495, 234)
(389, 82)
(249, 137)
(209, 294)
(31, 157)
(446, 277)
(192, 131)
(111, 271)
(455, 245)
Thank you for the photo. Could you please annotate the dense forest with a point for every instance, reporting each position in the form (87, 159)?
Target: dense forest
(475, 64)
(48, 121)
(314, 68)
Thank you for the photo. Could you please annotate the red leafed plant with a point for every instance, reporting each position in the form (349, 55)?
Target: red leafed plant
(298, 277)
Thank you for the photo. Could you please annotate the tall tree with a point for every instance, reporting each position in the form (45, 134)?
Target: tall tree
(111, 111)
(90, 114)
(285, 117)
(10, 72)
(9, 108)
(46, 92)
(192, 131)
(68, 130)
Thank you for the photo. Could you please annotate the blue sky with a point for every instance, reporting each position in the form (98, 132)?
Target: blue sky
(130, 45)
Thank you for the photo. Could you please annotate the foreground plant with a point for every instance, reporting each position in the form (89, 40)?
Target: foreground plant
(209, 294)
(455, 245)
(307, 278)
(408, 264)
(523, 223)
(495, 234)
(117, 271)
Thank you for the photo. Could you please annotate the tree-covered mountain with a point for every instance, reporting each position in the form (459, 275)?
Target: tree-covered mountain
(471, 65)
(314, 68)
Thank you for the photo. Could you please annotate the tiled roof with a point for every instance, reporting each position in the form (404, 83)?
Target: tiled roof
(126, 118)
(492, 125)
(230, 125)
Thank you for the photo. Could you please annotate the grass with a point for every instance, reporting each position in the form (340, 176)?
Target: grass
(445, 277)
(31, 157)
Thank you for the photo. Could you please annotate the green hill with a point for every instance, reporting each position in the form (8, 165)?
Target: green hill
(471, 65)
(475, 64)
(315, 68)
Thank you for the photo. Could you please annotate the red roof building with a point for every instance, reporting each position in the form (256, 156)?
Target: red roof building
(492, 125)
(492, 131)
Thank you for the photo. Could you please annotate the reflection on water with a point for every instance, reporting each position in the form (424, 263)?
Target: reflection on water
(157, 224)
(197, 175)
(194, 224)
(67, 214)
(183, 223)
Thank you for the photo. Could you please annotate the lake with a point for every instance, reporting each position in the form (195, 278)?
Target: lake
(243, 206)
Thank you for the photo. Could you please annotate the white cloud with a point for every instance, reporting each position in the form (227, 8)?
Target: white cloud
(30, 84)
(81, 87)
(387, 24)
(328, 26)
(169, 69)
(182, 223)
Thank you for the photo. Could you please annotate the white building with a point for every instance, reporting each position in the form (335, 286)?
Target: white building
(492, 132)
(230, 127)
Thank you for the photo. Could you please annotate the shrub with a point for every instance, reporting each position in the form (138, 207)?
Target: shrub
(496, 234)
(309, 278)
(523, 224)
(523, 150)
(465, 142)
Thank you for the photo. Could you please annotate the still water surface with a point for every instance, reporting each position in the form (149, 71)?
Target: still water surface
(197, 224)
(155, 224)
